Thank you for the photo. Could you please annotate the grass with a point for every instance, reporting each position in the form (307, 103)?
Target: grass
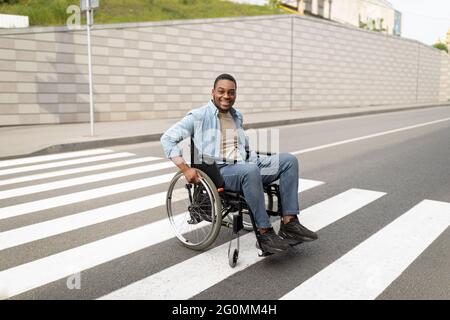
(53, 12)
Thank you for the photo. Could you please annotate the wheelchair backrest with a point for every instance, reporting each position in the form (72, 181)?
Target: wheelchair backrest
(206, 165)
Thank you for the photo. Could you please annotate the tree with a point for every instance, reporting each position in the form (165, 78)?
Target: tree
(273, 3)
(441, 46)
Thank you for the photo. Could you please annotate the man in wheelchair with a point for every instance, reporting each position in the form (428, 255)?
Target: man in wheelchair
(217, 132)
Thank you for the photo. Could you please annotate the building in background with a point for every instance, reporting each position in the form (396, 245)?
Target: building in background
(375, 15)
(398, 23)
(448, 38)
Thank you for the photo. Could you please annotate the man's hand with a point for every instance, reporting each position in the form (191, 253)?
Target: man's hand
(192, 176)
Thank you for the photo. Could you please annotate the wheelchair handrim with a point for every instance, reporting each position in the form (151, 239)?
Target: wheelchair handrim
(211, 234)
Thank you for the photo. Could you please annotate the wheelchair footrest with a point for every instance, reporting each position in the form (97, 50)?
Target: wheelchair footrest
(261, 252)
(264, 254)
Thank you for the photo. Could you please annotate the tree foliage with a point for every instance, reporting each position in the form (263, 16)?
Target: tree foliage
(8, 1)
(441, 46)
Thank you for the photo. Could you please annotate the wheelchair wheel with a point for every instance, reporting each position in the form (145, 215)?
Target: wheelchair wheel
(233, 258)
(194, 211)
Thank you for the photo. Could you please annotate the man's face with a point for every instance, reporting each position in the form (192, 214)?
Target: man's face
(224, 95)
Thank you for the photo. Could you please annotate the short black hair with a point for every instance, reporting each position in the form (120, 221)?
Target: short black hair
(225, 76)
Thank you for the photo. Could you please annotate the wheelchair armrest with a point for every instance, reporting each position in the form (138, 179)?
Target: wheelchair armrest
(258, 153)
(211, 159)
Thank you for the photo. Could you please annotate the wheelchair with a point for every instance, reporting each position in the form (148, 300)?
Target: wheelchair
(198, 211)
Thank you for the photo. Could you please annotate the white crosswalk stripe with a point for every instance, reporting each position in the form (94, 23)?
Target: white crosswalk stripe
(51, 157)
(365, 271)
(72, 222)
(80, 258)
(362, 273)
(38, 205)
(40, 272)
(64, 163)
(83, 180)
(53, 174)
(53, 227)
(190, 277)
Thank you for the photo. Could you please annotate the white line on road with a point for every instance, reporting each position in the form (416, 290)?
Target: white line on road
(337, 207)
(38, 205)
(59, 156)
(53, 174)
(368, 136)
(40, 272)
(368, 269)
(53, 227)
(84, 180)
(63, 163)
(190, 277)
(37, 273)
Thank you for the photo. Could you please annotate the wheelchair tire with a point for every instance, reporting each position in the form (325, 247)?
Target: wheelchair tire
(233, 258)
(194, 211)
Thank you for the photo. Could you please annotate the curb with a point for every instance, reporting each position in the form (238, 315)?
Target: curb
(77, 146)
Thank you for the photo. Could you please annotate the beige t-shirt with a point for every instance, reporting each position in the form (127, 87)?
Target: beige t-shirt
(229, 144)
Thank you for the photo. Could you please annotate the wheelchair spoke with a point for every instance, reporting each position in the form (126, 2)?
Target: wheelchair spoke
(193, 211)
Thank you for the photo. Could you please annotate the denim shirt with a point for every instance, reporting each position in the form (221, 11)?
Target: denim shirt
(203, 125)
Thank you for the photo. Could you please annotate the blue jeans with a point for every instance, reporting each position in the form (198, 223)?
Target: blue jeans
(250, 178)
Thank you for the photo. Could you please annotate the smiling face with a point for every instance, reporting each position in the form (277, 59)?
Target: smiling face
(224, 95)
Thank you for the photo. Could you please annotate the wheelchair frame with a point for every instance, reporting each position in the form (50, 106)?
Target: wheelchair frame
(228, 202)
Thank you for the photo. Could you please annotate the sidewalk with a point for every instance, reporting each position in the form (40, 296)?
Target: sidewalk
(22, 141)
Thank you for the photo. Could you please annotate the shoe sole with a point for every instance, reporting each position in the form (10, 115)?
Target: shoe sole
(270, 250)
(293, 240)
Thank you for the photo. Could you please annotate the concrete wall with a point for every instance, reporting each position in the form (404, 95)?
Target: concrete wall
(445, 78)
(162, 70)
(338, 67)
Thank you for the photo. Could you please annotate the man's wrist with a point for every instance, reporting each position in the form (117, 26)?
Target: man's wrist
(184, 167)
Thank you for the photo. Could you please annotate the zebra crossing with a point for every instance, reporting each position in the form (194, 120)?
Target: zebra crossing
(366, 270)
(31, 186)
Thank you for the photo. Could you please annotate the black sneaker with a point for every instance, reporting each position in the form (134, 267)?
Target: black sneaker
(272, 243)
(296, 233)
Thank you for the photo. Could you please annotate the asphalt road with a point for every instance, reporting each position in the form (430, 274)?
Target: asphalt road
(381, 206)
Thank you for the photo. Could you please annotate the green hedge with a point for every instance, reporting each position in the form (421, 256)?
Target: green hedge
(9, 1)
(441, 46)
(53, 12)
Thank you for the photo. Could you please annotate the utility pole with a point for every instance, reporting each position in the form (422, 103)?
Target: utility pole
(88, 6)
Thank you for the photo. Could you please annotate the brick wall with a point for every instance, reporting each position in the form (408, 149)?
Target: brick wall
(164, 69)
(445, 78)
